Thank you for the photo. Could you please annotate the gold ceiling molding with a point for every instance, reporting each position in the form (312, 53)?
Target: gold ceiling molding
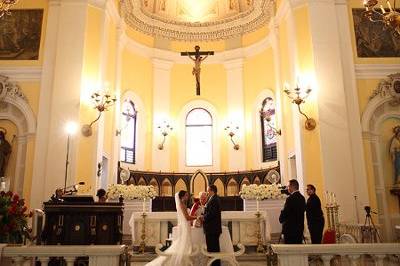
(223, 21)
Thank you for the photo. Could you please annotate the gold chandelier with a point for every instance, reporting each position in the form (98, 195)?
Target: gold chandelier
(390, 18)
(5, 6)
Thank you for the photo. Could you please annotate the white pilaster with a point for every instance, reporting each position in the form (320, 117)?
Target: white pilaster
(353, 113)
(59, 96)
(121, 42)
(296, 118)
(334, 118)
(161, 111)
(279, 98)
(234, 75)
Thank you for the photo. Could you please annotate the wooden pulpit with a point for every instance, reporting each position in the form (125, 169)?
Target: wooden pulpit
(80, 223)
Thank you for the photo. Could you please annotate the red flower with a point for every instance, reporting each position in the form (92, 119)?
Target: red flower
(2, 193)
(24, 209)
(16, 197)
(30, 214)
(9, 194)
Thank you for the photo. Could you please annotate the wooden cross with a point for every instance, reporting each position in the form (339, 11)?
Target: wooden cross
(197, 59)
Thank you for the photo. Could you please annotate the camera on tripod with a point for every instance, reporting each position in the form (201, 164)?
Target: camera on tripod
(367, 210)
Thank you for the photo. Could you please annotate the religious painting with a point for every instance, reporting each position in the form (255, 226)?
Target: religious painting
(20, 34)
(374, 39)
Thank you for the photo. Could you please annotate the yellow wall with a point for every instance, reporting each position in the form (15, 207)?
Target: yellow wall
(90, 73)
(213, 90)
(258, 75)
(137, 76)
(311, 139)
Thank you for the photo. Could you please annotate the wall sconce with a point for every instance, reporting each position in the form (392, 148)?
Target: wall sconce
(165, 129)
(298, 96)
(232, 130)
(101, 102)
(267, 110)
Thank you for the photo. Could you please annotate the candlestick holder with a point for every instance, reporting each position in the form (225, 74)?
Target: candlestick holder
(142, 246)
(260, 246)
(332, 213)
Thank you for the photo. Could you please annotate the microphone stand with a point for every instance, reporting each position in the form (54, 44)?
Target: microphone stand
(66, 164)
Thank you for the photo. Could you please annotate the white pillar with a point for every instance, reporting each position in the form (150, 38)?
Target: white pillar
(59, 95)
(161, 112)
(21, 142)
(234, 75)
(335, 122)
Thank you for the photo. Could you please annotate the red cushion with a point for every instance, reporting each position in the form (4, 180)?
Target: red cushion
(329, 237)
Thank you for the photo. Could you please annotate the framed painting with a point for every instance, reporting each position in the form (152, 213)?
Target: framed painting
(374, 39)
(20, 34)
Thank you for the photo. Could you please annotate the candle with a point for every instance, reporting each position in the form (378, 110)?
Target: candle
(334, 199)
(390, 7)
(382, 9)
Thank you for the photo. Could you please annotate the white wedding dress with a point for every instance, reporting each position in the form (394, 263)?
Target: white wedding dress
(181, 248)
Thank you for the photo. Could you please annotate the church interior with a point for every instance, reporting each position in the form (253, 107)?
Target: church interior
(145, 98)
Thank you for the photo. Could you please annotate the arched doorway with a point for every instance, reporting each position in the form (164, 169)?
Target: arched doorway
(15, 110)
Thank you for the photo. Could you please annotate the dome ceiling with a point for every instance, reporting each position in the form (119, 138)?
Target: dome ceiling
(196, 20)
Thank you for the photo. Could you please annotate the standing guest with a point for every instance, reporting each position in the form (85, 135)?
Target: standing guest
(315, 216)
(212, 222)
(292, 215)
(101, 194)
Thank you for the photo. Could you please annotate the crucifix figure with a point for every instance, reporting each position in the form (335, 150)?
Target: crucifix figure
(197, 59)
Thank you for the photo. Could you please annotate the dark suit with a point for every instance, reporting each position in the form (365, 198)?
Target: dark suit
(315, 218)
(212, 225)
(292, 218)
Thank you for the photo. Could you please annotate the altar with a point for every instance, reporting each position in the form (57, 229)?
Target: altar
(243, 226)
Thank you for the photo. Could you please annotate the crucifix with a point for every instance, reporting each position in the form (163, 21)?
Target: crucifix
(197, 59)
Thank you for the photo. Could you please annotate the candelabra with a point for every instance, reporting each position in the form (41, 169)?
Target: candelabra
(298, 97)
(165, 129)
(332, 213)
(142, 246)
(101, 102)
(389, 18)
(5, 6)
(231, 133)
(260, 246)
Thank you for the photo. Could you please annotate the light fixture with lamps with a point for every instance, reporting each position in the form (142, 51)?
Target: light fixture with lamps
(165, 128)
(232, 131)
(5, 6)
(70, 129)
(298, 97)
(266, 113)
(101, 101)
(390, 18)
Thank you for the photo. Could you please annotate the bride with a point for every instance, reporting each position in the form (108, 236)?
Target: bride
(181, 247)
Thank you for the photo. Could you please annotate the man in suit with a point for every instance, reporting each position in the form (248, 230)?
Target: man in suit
(212, 222)
(315, 216)
(292, 215)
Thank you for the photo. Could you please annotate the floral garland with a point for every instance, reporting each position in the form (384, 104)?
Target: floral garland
(129, 192)
(261, 192)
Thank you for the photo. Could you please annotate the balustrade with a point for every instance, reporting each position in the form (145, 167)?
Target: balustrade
(347, 254)
(100, 255)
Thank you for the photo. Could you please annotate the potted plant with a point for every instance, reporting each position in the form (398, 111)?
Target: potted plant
(13, 218)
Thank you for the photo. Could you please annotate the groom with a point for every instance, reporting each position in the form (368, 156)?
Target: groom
(212, 222)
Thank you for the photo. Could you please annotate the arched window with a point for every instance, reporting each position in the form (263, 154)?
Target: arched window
(269, 147)
(199, 138)
(128, 132)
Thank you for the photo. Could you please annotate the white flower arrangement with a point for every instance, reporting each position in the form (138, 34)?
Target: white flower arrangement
(129, 192)
(261, 192)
